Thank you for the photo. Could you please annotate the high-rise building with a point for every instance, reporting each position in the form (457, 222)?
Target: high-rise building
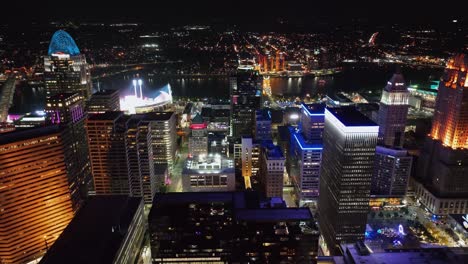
(7, 91)
(250, 159)
(163, 136)
(67, 111)
(34, 193)
(393, 112)
(209, 173)
(229, 227)
(246, 98)
(139, 157)
(198, 140)
(106, 138)
(392, 166)
(349, 139)
(103, 101)
(263, 124)
(443, 163)
(306, 153)
(272, 170)
(108, 229)
(65, 68)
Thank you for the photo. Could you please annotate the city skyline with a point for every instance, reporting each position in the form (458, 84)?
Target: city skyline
(293, 133)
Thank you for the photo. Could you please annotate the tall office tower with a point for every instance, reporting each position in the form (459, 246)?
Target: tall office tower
(349, 142)
(272, 170)
(246, 98)
(198, 140)
(34, 192)
(164, 137)
(250, 159)
(67, 111)
(263, 124)
(139, 157)
(306, 153)
(392, 166)
(229, 227)
(103, 101)
(393, 112)
(443, 164)
(106, 139)
(392, 169)
(65, 68)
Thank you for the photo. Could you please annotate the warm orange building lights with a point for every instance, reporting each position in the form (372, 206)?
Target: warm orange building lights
(35, 203)
(450, 124)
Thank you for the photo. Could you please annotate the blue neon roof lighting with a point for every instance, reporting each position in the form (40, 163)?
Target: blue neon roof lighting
(62, 42)
(314, 109)
(306, 146)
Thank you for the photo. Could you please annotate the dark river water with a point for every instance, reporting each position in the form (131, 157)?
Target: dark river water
(368, 79)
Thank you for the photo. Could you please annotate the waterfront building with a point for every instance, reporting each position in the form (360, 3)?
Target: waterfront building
(65, 68)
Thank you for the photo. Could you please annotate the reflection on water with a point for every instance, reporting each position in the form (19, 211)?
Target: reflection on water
(370, 79)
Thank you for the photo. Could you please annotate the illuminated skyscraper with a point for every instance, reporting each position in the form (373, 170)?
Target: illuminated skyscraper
(306, 155)
(67, 111)
(246, 98)
(393, 112)
(350, 139)
(65, 68)
(139, 157)
(198, 140)
(392, 163)
(443, 164)
(106, 137)
(34, 192)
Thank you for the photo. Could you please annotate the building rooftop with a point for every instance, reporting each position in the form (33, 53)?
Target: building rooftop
(211, 163)
(303, 144)
(350, 116)
(110, 115)
(198, 120)
(396, 83)
(274, 214)
(273, 152)
(62, 42)
(105, 92)
(263, 115)
(314, 109)
(158, 116)
(409, 256)
(19, 135)
(96, 233)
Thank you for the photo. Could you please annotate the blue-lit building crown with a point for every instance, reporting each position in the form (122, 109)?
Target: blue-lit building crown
(62, 42)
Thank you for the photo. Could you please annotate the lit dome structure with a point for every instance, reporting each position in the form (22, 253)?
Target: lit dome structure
(62, 42)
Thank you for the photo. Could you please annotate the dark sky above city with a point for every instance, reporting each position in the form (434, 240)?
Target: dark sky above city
(240, 11)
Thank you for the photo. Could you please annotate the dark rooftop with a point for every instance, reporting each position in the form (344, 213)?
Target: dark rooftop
(110, 115)
(198, 119)
(350, 116)
(314, 108)
(105, 92)
(93, 236)
(19, 135)
(158, 116)
(274, 214)
(263, 115)
(274, 152)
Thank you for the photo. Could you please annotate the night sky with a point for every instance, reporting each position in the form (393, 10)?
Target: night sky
(240, 12)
